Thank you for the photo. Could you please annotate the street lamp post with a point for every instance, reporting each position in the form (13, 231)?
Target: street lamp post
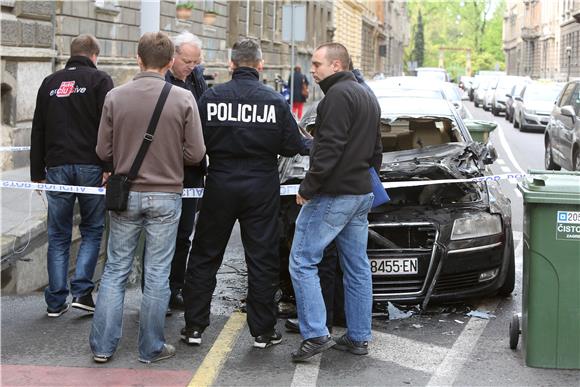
(569, 54)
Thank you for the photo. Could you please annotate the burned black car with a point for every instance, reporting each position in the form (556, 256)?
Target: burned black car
(439, 241)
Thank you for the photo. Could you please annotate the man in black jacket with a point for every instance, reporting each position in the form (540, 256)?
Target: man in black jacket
(63, 140)
(246, 125)
(187, 73)
(336, 195)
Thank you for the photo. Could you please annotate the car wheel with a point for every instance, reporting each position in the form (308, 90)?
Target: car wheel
(475, 103)
(515, 121)
(494, 111)
(576, 159)
(510, 280)
(549, 158)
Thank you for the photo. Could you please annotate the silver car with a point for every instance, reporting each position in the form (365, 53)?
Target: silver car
(562, 136)
(533, 106)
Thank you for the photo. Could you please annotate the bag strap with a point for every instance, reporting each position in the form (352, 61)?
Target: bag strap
(150, 132)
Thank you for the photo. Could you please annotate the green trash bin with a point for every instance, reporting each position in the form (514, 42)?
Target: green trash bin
(479, 129)
(551, 284)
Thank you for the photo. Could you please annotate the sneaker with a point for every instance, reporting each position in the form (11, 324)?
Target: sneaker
(101, 358)
(311, 347)
(191, 336)
(58, 312)
(292, 325)
(176, 300)
(264, 341)
(84, 303)
(343, 343)
(167, 352)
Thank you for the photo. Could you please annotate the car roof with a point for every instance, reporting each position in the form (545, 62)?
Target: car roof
(406, 106)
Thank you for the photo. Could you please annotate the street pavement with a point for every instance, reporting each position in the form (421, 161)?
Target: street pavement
(442, 346)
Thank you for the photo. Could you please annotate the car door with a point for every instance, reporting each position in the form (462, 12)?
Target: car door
(561, 135)
(572, 128)
(518, 105)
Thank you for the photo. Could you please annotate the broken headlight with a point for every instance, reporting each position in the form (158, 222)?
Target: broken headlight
(476, 226)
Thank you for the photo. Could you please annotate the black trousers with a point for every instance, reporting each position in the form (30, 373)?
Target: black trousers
(251, 196)
(193, 178)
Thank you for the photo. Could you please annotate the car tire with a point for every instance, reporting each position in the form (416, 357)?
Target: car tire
(510, 279)
(576, 160)
(515, 121)
(475, 103)
(494, 111)
(549, 163)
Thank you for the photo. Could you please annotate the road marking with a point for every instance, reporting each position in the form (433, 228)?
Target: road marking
(505, 169)
(416, 355)
(500, 161)
(507, 149)
(447, 371)
(518, 193)
(306, 374)
(211, 366)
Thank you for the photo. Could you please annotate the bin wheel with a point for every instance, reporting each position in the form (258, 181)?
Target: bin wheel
(514, 331)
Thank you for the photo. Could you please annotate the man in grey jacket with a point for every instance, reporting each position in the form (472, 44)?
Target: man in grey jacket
(154, 201)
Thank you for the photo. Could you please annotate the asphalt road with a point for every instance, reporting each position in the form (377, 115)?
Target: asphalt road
(440, 347)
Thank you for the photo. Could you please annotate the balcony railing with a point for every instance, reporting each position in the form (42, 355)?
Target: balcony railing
(576, 15)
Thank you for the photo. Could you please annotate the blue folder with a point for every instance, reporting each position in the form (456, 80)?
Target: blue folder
(381, 196)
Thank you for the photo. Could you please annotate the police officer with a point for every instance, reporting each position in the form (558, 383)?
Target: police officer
(246, 125)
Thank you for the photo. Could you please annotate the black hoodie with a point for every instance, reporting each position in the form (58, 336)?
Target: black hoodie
(346, 139)
(67, 115)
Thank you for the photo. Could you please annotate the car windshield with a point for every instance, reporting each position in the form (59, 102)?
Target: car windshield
(542, 92)
(432, 74)
(404, 92)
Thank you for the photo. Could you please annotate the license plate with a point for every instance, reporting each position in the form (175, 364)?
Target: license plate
(394, 266)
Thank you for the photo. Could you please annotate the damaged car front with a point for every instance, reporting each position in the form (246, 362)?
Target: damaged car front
(440, 237)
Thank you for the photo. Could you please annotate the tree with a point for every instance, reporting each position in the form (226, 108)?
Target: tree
(419, 49)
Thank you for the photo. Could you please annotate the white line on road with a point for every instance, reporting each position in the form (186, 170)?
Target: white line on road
(448, 370)
(306, 374)
(518, 193)
(500, 161)
(505, 169)
(507, 149)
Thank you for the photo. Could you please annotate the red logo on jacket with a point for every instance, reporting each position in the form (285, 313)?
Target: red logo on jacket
(66, 88)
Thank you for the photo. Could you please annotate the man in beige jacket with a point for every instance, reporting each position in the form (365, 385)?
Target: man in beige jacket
(154, 201)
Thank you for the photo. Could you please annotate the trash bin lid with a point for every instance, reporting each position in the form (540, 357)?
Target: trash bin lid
(551, 187)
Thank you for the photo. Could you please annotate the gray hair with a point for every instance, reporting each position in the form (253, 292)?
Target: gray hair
(186, 37)
(246, 52)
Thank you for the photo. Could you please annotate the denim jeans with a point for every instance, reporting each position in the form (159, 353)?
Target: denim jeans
(60, 223)
(157, 214)
(323, 219)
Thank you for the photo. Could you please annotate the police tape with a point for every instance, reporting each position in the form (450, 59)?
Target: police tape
(14, 148)
(285, 190)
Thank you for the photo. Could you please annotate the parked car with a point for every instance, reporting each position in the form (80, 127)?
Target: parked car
(440, 242)
(484, 84)
(509, 102)
(465, 82)
(420, 88)
(533, 106)
(562, 136)
(503, 86)
(434, 73)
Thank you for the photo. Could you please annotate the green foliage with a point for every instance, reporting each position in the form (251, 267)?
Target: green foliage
(419, 46)
(184, 4)
(461, 24)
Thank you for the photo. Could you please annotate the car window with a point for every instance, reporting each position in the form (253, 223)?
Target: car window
(565, 97)
(575, 100)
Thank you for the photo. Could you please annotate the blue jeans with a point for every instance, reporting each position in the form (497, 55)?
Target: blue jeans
(157, 214)
(323, 219)
(60, 223)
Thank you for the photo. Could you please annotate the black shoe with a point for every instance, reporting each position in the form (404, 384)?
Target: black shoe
(292, 325)
(264, 341)
(191, 336)
(176, 300)
(343, 343)
(167, 352)
(58, 312)
(311, 347)
(84, 303)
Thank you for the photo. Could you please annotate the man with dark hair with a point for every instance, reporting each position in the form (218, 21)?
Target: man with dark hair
(246, 126)
(154, 204)
(297, 87)
(336, 195)
(187, 73)
(63, 140)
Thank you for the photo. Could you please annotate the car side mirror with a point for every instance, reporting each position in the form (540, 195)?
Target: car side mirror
(518, 98)
(508, 95)
(457, 105)
(568, 111)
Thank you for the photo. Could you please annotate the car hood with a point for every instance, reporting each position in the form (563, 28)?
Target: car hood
(539, 106)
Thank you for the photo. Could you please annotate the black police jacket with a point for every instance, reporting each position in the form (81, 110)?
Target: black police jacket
(67, 115)
(244, 120)
(347, 139)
